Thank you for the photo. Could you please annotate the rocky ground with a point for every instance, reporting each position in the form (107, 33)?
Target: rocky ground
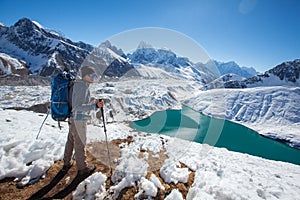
(97, 155)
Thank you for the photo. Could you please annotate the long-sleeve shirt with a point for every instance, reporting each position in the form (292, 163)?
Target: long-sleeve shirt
(80, 100)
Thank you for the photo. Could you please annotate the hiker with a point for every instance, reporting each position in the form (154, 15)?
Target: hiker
(82, 104)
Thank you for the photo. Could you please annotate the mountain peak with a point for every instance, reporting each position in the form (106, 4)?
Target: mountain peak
(232, 67)
(107, 45)
(144, 45)
(26, 25)
(289, 71)
(24, 22)
(43, 51)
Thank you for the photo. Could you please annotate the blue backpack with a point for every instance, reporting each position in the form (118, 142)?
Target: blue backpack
(60, 107)
(60, 92)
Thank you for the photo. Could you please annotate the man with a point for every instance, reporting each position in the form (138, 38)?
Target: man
(82, 104)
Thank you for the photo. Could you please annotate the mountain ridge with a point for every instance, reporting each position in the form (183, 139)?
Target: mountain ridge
(43, 52)
(27, 48)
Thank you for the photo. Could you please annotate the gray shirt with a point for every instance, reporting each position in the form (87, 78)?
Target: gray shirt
(80, 98)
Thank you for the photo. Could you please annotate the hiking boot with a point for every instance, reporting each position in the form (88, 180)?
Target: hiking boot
(87, 171)
(66, 167)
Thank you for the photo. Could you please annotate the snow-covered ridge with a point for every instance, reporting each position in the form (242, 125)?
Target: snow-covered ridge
(270, 111)
(145, 54)
(232, 67)
(284, 74)
(45, 53)
(9, 65)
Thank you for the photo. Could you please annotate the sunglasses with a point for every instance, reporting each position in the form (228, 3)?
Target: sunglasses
(93, 75)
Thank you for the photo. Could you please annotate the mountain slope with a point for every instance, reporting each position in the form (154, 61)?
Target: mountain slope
(233, 68)
(284, 74)
(163, 63)
(9, 65)
(43, 52)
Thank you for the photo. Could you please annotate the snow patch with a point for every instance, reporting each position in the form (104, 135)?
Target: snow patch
(93, 186)
(171, 172)
(175, 195)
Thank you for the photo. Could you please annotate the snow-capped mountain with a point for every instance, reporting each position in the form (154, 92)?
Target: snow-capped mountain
(109, 61)
(284, 74)
(223, 72)
(163, 63)
(28, 48)
(120, 68)
(233, 68)
(109, 53)
(42, 51)
(226, 81)
(146, 54)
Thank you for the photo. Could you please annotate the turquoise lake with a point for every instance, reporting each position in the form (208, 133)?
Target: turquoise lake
(193, 126)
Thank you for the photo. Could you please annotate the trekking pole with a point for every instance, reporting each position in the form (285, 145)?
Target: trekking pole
(108, 152)
(48, 111)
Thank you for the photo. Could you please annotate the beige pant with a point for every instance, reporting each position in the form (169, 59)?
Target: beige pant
(76, 140)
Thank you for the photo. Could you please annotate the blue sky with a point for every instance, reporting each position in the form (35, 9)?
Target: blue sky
(253, 33)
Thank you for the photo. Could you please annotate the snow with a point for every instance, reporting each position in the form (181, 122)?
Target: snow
(156, 182)
(38, 24)
(147, 188)
(8, 63)
(219, 173)
(222, 176)
(22, 156)
(68, 44)
(33, 61)
(116, 56)
(273, 80)
(174, 195)
(268, 110)
(170, 172)
(36, 61)
(92, 187)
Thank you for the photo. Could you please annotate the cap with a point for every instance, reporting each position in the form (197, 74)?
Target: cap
(86, 70)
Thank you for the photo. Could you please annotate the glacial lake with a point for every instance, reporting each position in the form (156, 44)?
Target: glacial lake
(191, 125)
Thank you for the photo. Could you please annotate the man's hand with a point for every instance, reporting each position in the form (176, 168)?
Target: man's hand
(100, 103)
